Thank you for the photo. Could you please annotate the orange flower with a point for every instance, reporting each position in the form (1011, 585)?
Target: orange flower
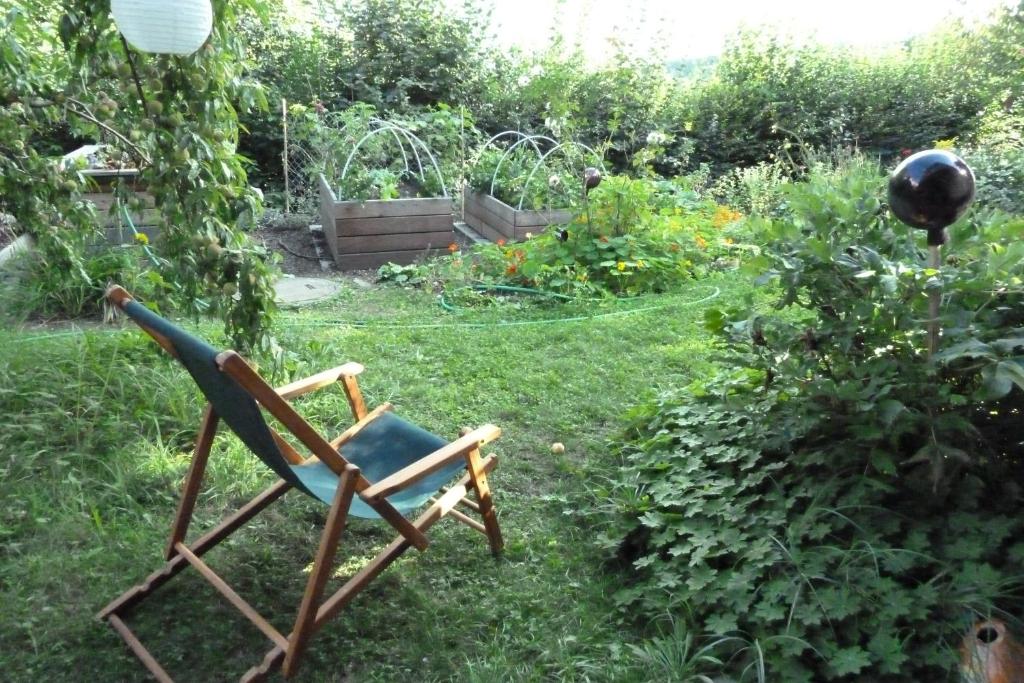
(511, 270)
(501, 242)
(701, 242)
(452, 248)
(724, 215)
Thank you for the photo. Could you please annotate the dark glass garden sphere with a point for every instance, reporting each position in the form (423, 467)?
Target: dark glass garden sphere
(930, 190)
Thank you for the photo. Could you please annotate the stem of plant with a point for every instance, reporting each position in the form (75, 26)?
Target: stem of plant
(135, 74)
(934, 299)
(81, 110)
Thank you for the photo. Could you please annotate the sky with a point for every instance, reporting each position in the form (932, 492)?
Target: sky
(691, 28)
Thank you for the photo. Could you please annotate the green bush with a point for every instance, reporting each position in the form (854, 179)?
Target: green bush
(835, 495)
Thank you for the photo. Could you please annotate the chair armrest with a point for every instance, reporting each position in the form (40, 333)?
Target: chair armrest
(118, 296)
(431, 463)
(318, 381)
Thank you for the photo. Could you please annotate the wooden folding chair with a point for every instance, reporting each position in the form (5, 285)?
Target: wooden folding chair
(380, 467)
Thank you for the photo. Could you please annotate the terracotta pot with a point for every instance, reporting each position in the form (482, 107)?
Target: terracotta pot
(990, 654)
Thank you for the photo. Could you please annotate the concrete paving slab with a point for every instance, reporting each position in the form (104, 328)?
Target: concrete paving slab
(299, 291)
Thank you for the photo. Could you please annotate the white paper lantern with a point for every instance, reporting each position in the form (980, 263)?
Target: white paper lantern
(176, 27)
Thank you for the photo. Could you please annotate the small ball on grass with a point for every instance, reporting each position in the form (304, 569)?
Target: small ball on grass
(558, 447)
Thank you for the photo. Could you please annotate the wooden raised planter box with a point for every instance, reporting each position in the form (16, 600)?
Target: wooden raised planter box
(103, 199)
(494, 219)
(369, 234)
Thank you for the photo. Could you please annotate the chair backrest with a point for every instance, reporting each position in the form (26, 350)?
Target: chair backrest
(232, 404)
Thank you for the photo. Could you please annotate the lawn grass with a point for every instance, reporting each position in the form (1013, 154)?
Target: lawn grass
(94, 445)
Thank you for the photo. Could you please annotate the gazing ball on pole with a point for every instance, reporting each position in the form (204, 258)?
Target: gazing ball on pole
(931, 190)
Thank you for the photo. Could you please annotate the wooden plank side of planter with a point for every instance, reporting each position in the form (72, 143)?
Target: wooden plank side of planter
(488, 224)
(489, 232)
(420, 206)
(542, 219)
(104, 200)
(351, 227)
(148, 218)
(415, 241)
(495, 206)
(496, 222)
(379, 258)
(327, 221)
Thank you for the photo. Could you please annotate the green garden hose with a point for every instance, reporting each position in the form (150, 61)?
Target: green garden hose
(502, 323)
(446, 305)
(323, 322)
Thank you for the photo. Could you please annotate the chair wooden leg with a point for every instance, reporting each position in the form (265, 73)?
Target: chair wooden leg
(344, 595)
(329, 540)
(478, 476)
(204, 442)
(207, 541)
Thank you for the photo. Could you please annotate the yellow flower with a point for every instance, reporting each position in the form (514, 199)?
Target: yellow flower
(640, 263)
(142, 238)
(728, 240)
(620, 265)
(701, 242)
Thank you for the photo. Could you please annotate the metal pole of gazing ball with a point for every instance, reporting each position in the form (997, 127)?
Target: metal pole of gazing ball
(930, 190)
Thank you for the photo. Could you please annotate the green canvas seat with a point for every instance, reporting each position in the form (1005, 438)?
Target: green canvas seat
(382, 467)
(380, 449)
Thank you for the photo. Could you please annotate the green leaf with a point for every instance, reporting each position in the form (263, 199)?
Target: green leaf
(850, 661)
(889, 410)
(882, 462)
(1011, 372)
(994, 384)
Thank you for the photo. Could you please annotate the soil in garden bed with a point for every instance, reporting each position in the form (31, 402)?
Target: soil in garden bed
(291, 239)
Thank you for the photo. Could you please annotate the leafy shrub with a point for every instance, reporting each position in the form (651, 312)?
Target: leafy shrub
(755, 190)
(836, 496)
(1000, 177)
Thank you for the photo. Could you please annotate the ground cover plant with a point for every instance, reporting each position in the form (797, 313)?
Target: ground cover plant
(95, 445)
(832, 493)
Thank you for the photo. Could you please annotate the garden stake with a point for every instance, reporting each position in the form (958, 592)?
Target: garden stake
(284, 158)
(930, 190)
(934, 299)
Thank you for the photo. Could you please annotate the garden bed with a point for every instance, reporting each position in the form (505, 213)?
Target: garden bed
(494, 219)
(368, 234)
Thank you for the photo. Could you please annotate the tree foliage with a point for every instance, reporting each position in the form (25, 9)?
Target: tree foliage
(176, 116)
